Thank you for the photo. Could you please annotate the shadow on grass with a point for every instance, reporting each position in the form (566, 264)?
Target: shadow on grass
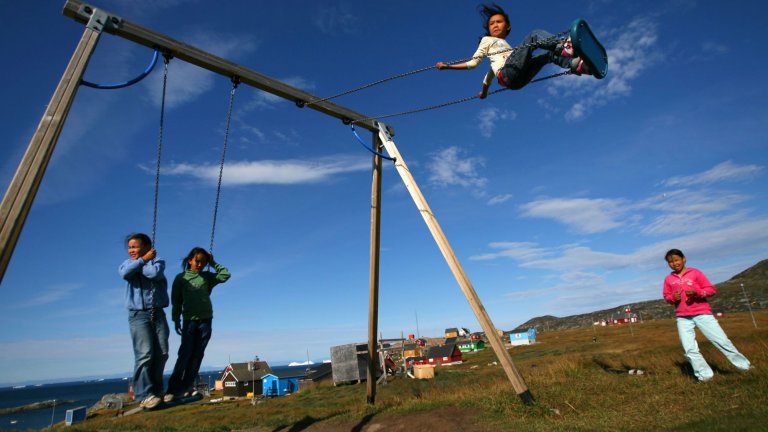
(308, 421)
(302, 424)
(359, 427)
(687, 370)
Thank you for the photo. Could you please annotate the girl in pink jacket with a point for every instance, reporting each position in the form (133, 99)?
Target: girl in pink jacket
(688, 289)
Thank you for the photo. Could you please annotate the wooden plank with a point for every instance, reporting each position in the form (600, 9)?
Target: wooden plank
(458, 271)
(373, 303)
(20, 194)
(77, 10)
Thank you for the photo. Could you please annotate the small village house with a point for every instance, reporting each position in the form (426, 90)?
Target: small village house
(523, 338)
(281, 383)
(411, 350)
(444, 355)
(315, 374)
(471, 345)
(238, 380)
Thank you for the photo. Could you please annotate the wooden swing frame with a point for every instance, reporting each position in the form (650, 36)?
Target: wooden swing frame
(25, 184)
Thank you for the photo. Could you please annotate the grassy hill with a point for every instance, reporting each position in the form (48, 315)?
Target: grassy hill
(729, 299)
(579, 385)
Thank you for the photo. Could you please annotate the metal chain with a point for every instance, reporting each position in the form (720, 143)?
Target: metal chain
(458, 101)
(556, 38)
(235, 83)
(160, 146)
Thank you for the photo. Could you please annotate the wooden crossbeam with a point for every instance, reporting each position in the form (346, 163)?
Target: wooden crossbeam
(82, 12)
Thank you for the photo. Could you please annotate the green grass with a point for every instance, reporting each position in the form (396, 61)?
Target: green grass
(579, 385)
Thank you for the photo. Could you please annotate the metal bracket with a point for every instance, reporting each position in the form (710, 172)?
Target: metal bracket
(386, 130)
(99, 19)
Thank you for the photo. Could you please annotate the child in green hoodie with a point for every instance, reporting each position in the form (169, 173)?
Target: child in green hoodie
(191, 298)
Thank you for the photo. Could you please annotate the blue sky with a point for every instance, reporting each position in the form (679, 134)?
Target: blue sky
(558, 199)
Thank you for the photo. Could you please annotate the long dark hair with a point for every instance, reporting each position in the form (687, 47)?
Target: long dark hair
(487, 11)
(195, 250)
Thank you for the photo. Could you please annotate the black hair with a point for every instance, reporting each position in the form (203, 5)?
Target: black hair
(141, 237)
(195, 250)
(673, 252)
(487, 11)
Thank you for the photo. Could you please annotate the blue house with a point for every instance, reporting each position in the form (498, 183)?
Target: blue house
(523, 338)
(281, 383)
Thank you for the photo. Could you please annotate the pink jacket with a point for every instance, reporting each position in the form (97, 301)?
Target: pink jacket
(694, 305)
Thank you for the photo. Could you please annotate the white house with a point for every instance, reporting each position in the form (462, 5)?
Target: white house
(523, 338)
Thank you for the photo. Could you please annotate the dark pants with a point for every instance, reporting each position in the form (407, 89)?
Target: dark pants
(195, 335)
(521, 66)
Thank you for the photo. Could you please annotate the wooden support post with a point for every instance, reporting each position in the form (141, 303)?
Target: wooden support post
(23, 188)
(458, 272)
(373, 302)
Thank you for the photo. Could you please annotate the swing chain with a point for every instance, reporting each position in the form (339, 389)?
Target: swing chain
(554, 39)
(235, 83)
(167, 58)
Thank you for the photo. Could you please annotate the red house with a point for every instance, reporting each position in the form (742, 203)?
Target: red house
(444, 355)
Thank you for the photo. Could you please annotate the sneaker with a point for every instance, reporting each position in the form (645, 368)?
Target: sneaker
(579, 67)
(566, 48)
(150, 402)
(194, 393)
(168, 397)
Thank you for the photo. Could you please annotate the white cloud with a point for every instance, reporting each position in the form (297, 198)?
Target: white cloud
(498, 199)
(488, 118)
(450, 168)
(714, 48)
(335, 19)
(520, 251)
(52, 294)
(631, 51)
(187, 82)
(583, 215)
(272, 172)
(725, 171)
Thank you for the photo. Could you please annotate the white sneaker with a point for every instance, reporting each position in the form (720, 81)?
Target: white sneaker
(168, 397)
(150, 402)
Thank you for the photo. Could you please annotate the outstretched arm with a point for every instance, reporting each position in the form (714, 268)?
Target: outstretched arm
(456, 66)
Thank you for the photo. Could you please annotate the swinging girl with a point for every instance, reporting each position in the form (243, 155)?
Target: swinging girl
(514, 68)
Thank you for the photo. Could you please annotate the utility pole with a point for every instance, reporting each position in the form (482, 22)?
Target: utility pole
(749, 306)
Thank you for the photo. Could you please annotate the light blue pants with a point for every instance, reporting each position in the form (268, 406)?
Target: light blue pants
(710, 328)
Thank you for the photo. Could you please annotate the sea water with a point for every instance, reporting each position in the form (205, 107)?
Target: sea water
(84, 393)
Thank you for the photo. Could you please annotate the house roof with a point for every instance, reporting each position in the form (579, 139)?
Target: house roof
(452, 330)
(442, 351)
(241, 373)
(319, 371)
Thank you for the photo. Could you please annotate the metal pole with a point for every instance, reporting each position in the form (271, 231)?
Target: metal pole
(749, 306)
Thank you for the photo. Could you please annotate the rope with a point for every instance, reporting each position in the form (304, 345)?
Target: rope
(160, 146)
(360, 140)
(127, 83)
(556, 38)
(235, 83)
(455, 102)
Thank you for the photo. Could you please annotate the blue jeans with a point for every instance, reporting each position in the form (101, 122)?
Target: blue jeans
(149, 332)
(195, 335)
(710, 328)
(521, 66)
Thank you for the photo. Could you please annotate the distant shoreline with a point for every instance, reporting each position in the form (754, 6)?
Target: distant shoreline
(35, 406)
